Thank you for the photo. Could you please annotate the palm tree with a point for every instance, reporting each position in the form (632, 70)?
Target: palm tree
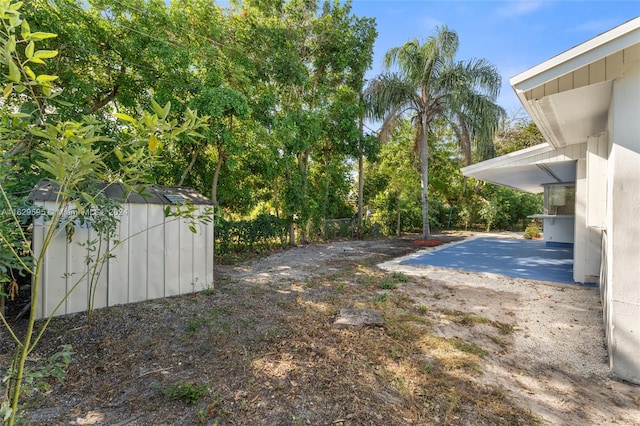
(430, 84)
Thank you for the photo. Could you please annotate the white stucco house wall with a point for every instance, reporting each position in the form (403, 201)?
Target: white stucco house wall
(586, 103)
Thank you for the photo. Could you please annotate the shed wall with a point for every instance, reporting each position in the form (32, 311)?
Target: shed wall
(156, 257)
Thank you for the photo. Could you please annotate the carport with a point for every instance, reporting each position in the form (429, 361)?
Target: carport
(512, 257)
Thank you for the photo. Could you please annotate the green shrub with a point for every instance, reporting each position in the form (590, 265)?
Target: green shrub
(182, 391)
(532, 231)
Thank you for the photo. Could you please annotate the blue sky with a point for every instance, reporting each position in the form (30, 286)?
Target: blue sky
(513, 35)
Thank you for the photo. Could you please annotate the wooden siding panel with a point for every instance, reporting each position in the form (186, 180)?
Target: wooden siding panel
(581, 77)
(77, 253)
(138, 251)
(614, 67)
(537, 93)
(54, 283)
(172, 256)
(155, 254)
(101, 296)
(631, 54)
(186, 258)
(37, 239)
(118, 272)
(597, 72)
(210, 235)
(551, 88)
(528, 95)
(565, 82)
(199, 258)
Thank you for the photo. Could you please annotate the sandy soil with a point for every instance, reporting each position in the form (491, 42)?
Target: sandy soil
(558, 364)
(263, 344)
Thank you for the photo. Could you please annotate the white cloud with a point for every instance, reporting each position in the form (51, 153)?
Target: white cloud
(595, 26)
(517, 8)
(430, 24)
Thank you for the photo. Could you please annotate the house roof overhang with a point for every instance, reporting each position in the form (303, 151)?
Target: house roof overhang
(528, 169)
(568, 97)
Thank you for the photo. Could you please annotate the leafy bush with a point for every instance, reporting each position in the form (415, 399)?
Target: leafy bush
(241, 235)
(182, 391)
(532, 231)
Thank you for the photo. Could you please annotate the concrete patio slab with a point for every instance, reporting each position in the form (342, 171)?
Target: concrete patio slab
(516, 258)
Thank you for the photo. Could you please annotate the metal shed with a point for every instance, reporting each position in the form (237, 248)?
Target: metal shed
(158, 256)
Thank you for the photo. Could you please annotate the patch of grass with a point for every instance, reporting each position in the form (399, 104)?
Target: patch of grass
(503, 327)
(399, 277)
(272, 335)
(469, 347)
(423, 309)
(209, 291)
(387, 283)
(427, 368)
(195, 324)
(465, 318)
(391, 282)
(183, 391)
(381, 298)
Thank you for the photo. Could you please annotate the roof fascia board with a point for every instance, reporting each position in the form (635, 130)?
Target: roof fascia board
(586, 53)
(507, 159)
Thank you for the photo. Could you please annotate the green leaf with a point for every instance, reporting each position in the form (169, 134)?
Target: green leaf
(11, 44)
(7, 90)
(118, 153)
(45, 54)
(14, 72)
(30, 49)
(16, 5)
(39, 133)
(153, 143)
(63, 103)
(30, 73)
(157, 108)
(165, 110)
(193, 229)
(19, 115)
(43, 78)
(41, 36)
(124, 117)
(25, 31)
(89, 198)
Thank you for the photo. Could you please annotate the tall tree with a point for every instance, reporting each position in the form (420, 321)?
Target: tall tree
(428, 83)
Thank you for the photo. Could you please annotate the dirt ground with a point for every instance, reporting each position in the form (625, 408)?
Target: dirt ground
(456, 348)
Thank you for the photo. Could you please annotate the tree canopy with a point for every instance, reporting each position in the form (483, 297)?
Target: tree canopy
(281, 85)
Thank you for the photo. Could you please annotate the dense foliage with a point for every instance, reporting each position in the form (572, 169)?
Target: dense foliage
(281, 84)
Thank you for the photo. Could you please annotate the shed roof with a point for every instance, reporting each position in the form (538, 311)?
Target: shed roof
(47, 190)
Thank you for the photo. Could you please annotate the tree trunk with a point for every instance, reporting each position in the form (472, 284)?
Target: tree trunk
(360, 179)
(464, 138)
(424, 174)
(216, 174)
(292, 233)
(275, 198)
(360, 193)
(303, 166)
(194, 157)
